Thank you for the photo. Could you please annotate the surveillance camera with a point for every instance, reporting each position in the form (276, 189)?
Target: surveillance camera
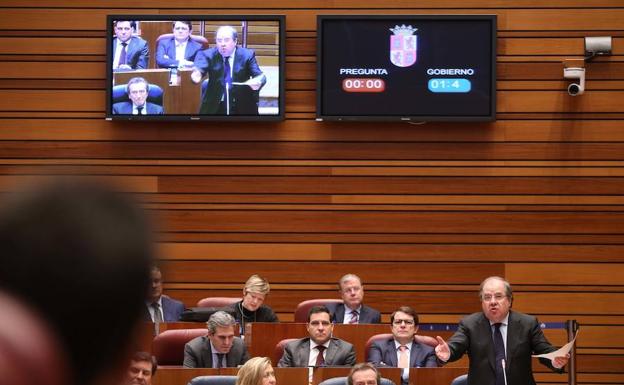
(575, 73)
(597, 45)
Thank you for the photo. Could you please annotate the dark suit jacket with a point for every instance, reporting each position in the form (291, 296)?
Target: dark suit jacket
(126, 108)
(297, 354)
(524, 337)
(166, 52)
(198, 354)
(243, 100)
(171, 310)
(368, 315)
(137, 52)
(384, 353)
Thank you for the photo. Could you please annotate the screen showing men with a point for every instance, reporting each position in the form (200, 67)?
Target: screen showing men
(195, 67)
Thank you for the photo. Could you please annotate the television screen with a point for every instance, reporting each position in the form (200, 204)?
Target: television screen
(185, 67)
(406, 68)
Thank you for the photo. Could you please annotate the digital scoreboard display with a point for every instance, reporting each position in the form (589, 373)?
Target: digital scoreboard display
(406, 68)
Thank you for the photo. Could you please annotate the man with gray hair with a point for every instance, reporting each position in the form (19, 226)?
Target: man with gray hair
(219, 348)
(499, 341)
(351, 310)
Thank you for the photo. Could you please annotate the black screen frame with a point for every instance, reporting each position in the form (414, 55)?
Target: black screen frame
(399, 19)
(110, 34)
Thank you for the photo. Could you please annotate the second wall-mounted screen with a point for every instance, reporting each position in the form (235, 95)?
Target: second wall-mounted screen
(407, 68)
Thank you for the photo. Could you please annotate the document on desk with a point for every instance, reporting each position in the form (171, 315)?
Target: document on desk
(561, 352)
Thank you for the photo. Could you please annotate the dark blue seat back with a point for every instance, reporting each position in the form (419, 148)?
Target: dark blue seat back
(213, 380)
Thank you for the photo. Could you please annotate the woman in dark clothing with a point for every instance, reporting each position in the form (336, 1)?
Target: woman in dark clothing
(252, 308)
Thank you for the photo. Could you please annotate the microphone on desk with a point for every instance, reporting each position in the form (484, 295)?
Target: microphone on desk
(504, 371)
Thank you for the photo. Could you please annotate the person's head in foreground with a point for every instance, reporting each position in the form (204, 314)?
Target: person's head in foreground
(256, 371)
(79, 253)
(364, 373)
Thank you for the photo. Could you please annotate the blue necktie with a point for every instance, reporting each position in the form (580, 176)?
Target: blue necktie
(499, 354)
(220, 360)
(123, 54)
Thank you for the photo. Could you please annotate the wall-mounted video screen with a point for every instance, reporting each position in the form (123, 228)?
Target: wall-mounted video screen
(191, 67)
(406, 67)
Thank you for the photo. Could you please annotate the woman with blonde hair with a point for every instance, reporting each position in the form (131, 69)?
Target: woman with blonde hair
(256, 371)
(252, 307)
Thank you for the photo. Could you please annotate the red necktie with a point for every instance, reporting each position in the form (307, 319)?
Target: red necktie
(320, 360)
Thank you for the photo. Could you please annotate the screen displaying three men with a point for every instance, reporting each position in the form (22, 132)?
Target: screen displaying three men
(195, 67)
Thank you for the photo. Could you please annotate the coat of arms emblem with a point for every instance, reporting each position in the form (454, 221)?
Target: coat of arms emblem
(403, 45)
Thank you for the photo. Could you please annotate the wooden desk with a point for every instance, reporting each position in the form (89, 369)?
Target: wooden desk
(261, 338)
(182, 376)
(434, 376)
(179, 99)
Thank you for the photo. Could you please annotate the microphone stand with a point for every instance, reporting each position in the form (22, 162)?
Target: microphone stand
(504, 371)
(227, 98)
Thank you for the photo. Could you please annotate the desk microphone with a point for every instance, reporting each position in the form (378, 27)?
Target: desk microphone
(504, 371)
(227, 98)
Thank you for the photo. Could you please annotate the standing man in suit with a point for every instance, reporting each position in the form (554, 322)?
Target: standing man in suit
(234, 77)
(179, 50)
(137, 90)
(402, 351)
(319, 349)
(499, 341)
(159, 307)
(352, 311)
(219, 348)
(129, 52)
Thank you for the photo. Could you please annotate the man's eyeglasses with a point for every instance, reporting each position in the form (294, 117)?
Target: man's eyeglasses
(497, 297)
(406, 321)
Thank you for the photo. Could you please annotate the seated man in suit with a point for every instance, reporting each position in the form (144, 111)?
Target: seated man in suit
(234, 77)
(351, 311)
(219, 348)
(142, 369)
(159, 307)
(401, 350)
(129, 52)
(364, 374)
(320, 349)
(137, 90)
(180, 50)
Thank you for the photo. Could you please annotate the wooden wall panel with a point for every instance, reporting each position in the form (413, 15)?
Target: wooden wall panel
(423, 213)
